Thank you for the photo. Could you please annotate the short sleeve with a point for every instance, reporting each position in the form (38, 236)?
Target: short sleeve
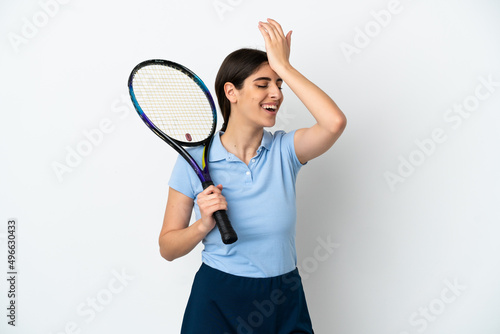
(288, 148)
(181, 178)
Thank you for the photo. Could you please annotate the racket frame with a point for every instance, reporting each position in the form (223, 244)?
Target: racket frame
(177, 145)
(226, 230)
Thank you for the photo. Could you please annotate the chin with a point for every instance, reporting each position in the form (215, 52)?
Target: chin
(269, 124)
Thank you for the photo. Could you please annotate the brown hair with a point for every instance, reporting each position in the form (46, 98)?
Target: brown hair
(237, 66)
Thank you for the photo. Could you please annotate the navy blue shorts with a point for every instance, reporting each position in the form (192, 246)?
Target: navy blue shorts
(222, 303)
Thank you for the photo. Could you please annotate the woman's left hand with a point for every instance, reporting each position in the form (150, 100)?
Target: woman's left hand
(277, 44)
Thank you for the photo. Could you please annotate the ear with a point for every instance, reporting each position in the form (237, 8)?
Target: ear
(230, 92)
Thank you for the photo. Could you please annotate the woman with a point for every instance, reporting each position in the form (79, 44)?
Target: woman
(251, 286)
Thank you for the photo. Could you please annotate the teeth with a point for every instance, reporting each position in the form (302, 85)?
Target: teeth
(270, 107)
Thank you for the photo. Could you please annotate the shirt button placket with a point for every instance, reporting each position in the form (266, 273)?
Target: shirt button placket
(248, 177)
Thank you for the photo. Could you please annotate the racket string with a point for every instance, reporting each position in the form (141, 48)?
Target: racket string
(174, 103)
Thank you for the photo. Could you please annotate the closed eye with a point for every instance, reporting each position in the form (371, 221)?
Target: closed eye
(279, 87)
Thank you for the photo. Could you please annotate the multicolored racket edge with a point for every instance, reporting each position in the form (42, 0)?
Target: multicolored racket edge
(173, 86)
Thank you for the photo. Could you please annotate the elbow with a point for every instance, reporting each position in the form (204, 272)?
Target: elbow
(342, 123)
(169, 258)
(165, 252)
(166, 255)
(337, 125)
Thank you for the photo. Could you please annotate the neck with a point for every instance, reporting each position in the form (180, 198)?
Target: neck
(242, 141)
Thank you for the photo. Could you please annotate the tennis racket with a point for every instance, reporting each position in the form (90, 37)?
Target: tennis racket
(177, 106)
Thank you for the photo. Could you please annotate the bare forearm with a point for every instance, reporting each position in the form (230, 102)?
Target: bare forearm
(325, 111)
(177, 243)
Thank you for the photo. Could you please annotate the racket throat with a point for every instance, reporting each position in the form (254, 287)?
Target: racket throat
(207, 184)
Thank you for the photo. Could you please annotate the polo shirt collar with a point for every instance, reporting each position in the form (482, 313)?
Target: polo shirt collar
(218, 151)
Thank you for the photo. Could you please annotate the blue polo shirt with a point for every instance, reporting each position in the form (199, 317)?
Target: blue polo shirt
(261, 205)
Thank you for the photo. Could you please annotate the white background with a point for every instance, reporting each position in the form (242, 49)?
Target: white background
(399, 246)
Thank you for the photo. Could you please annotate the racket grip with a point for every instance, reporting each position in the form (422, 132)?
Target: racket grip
(226, 230)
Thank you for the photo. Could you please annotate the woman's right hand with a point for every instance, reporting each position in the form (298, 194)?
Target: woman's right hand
(209, 201)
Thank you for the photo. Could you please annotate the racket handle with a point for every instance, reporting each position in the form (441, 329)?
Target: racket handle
(226, 230)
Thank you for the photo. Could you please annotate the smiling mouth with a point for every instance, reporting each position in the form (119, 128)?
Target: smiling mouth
(273, 108)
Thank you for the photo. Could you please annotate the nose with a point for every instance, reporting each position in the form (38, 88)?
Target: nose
(275, 92)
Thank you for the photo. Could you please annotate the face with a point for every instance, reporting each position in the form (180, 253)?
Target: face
(260, 97)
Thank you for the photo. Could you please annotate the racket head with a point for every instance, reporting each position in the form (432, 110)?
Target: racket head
(173, 102)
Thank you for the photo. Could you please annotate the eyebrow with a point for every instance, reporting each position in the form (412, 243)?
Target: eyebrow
(268, 79)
